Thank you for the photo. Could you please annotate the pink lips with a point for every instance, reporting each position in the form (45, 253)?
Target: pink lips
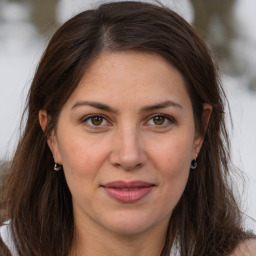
(128, 192)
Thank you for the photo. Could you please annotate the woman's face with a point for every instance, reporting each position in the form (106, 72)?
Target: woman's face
(126, 138)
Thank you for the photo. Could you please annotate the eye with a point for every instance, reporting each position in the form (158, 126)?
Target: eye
(161, 121)
(95, 121)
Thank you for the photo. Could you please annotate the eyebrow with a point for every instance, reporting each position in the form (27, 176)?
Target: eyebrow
(164, 104)
(94, 104)
(107, 108)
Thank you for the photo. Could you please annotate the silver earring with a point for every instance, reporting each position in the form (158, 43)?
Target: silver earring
(57, 167)
(193, 164)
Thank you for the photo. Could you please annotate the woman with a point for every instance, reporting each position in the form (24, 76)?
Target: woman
(125, 150)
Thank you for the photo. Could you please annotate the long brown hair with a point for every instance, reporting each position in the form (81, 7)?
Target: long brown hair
(37, 200)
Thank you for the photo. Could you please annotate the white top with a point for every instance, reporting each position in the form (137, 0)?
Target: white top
(6, 235)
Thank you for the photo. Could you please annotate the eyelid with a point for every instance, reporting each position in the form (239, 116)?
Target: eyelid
(171, 119)
(88, 117)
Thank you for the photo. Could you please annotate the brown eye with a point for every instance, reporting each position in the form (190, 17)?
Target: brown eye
(159, 120)
(97, 120)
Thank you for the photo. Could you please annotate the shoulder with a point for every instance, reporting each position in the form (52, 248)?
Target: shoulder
(7, 238)
(245, 248)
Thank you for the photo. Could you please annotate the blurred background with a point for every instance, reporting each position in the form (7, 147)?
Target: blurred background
(228, 26)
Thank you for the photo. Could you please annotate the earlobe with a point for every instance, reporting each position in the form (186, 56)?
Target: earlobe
(197, 146)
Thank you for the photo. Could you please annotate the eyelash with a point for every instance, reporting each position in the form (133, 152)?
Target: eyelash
(89, 118)
(170, 121)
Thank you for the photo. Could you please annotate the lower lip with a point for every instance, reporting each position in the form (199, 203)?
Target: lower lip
(128, 196)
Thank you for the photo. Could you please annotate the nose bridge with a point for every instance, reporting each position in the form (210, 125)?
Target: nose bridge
(128, 150)
(129, 141)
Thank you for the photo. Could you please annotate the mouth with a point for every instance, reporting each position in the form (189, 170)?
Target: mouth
(128, 192)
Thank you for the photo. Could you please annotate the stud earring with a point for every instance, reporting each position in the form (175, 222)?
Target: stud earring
(57, 167)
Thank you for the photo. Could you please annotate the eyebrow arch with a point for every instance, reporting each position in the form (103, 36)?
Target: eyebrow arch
(107, 108)
(94, 104)
(164, 104)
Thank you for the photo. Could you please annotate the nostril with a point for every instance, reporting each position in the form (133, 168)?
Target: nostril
(128, 166)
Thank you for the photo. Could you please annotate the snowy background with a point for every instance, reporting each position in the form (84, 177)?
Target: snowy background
(22, 43)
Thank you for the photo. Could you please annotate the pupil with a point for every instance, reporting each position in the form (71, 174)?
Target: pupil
(97, 120)
(158, 120)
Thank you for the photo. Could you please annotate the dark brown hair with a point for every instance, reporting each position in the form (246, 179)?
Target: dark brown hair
(206, 220)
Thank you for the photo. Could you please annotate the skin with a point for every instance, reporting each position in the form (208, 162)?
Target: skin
(131, 139)
(246, 248)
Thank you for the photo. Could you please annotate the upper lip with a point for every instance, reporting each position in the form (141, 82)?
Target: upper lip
(130, 184)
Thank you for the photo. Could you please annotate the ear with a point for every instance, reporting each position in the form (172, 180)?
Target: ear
(207, 111)
(199, 138)
(43, 118)
(51, 140)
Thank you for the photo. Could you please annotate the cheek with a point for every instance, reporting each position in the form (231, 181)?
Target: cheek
(173, 156)
(175, 168)
(81, 163)
(81, 156)
(172, 160)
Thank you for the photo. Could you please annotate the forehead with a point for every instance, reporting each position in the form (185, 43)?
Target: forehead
(131, 75)
(132, 62)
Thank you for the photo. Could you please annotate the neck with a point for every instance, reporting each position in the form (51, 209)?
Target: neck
(111, 247)
(93, 242)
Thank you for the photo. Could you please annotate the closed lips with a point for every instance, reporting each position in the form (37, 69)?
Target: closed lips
(128, 185)
(128, 192)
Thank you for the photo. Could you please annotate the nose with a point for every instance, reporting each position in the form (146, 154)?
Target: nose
(127, 150)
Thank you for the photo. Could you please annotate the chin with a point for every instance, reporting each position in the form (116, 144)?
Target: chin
(135, 224)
